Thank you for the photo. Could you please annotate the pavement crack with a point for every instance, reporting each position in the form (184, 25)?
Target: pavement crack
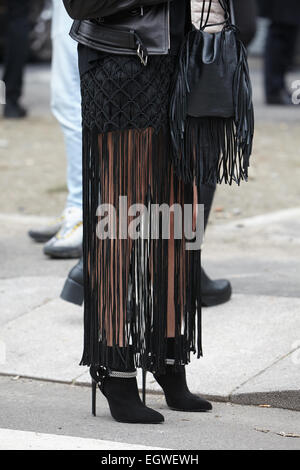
(296, 348)
(30, 310)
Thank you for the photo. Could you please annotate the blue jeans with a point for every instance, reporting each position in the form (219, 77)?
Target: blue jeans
(66, 99)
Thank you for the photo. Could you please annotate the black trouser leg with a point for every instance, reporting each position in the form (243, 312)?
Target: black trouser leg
(218, 291)
(245, 16)
(16, 49)
(207, 194)
(280, 48)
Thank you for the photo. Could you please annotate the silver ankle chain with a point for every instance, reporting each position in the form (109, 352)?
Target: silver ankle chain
(122, 375)
(170, 362)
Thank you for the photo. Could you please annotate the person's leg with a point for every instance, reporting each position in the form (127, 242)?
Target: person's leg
(127, 283)
(207, 194)
(175, 387)
(217, 291)
(64, 238)
(115, 275)
(291, 43)
(245, 16)
(66, 99)
(173, 379)
(16, 52)
(280, 47)
(66, 107)
(274, 59)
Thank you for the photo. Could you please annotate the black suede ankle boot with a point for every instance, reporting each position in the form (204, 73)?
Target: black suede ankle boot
(173, 383)
(121, 391)
(178, 396)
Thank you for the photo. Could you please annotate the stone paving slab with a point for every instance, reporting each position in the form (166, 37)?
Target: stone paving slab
(278, 385)
(45, 343)
(274, 229)
(255, 275)
(260, 255)
(277, 376)
(21, 256)
(11, 439)
(21, 295)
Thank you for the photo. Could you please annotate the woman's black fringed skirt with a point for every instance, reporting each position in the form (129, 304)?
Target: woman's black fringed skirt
(138, 292)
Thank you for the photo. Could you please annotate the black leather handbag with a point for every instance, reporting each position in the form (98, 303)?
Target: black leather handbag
(211, 110)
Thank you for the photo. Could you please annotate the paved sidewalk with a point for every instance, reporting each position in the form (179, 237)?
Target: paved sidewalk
(11, 439)
(251, 345)
(33, 408)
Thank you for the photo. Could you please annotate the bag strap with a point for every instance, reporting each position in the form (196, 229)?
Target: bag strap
(228, 8)
(232, 13)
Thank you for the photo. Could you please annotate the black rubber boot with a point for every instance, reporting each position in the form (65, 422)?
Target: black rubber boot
(121, 391)
(173, 383)
(73, 290)
(214, 292)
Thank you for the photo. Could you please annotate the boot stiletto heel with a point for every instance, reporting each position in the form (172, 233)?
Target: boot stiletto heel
(94, 390)
(144, 385)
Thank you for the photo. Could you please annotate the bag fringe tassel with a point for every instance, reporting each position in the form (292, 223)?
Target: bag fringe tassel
(211, 150)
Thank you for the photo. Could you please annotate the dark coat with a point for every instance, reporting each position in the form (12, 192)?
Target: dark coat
(83, 9)
(281, 11)
(139, 27)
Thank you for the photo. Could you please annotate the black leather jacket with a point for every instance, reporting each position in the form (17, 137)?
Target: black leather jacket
(122, 26)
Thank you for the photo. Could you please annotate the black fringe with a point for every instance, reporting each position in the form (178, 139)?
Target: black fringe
(244, 114)
(211, 150)
(127, 284)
